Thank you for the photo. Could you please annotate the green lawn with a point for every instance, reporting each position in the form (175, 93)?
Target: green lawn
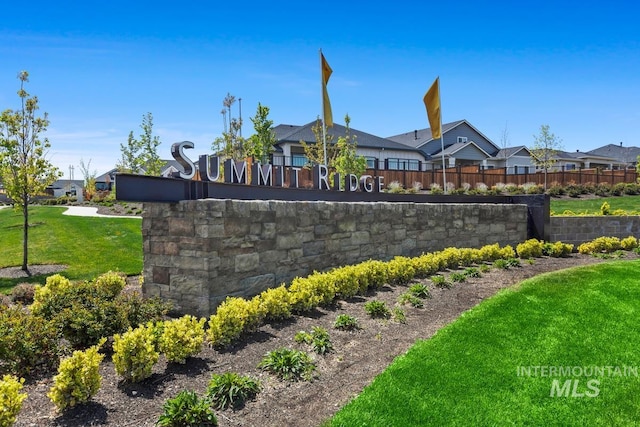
(468, 373)
(88, 245)
(592, 206)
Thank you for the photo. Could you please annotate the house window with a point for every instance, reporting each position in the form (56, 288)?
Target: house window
(403, 164)
(371, 162)
(298, 160)
(462, 139)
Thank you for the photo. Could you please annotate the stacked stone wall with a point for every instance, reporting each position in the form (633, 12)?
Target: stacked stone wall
(580, 229)
(196, 253)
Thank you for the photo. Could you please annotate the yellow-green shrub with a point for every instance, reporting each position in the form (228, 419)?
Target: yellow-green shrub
(531, 248)
(10, 399)
(600, 245)
(557, 249)
(111, 283)
(629, 243)
(182, 338)
(78, 378)
(134, 353)
(376, 273)
(54, 284)
(233, 317)
(449, 258)
(507, 252)
(489, 253)
(347, 281)
(312, 291)
(425, 265)
(400, 270)
(275, 303)
(467, 256)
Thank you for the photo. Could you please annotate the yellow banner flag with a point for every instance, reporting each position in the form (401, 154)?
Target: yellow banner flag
(326, 105)
(432, 102)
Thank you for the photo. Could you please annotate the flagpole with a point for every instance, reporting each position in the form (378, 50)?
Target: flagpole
(324, 133)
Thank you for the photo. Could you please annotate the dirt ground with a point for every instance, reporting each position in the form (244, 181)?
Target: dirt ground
(341, 375)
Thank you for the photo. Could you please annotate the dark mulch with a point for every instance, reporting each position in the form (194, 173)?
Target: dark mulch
(341, 375)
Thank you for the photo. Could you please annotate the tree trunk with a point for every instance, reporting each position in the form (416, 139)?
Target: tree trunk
(25, 236)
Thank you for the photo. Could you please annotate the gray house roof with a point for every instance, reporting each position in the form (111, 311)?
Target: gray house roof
(625, 155)
(295, 134)
(507, 152)
(419, 137)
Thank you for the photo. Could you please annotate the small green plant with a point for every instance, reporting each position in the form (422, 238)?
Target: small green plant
(472, 272)
(288, 364)
(501, 264)
(420, 290)
(187, 410)
(10, 399)
(346, 322)
(231, 390)
(484, 268)
(78, 378)
(458, 277)
(440, 281)
(318, 339)
(376, 308)
(409, 298)
(399, 315)
(513, 262)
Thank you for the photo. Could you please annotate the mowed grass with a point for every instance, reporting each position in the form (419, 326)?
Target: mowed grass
(467, 374)
(592, 206)
(90, 246)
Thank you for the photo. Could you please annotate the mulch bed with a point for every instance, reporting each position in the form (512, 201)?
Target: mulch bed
(341, 375)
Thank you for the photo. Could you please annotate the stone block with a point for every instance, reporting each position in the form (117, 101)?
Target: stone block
(247, 262)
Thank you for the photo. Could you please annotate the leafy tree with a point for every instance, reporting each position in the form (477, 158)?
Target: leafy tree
(347, 161)
(638, 167)
(141, 156)
(24, 169)
(544, 150)
(261, 144)
(315, 151)
(230, 145)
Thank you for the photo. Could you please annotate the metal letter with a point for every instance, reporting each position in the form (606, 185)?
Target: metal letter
(366, 183)
(232, 174)
(209, 167)
(177, 151)
(261, 174)
(320, 177)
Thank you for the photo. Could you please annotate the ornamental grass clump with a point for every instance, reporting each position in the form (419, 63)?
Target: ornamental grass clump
(288, 364)
(187, 410)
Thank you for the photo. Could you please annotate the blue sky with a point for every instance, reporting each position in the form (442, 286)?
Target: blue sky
(98, 67)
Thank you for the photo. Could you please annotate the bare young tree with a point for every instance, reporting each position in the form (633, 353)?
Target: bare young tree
(544, 150)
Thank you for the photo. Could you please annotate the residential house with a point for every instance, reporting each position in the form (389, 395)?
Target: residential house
(380, 153)
(107, 180)
(515, 159)
(67, 187)
(625, 157)
(461, 145)
(565, 160)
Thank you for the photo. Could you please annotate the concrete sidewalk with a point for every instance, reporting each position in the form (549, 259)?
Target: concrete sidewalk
(91, 211)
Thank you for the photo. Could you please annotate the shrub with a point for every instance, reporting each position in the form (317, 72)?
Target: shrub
(312, 291)
(139, 311)
(605, 209)
(507, 252)
(111, 283)
(27, 343)
(531, 248)
(346, 322)
(629, 243)
(395, 187)
(231, 390)
(375, 273)
(182, 338)
(557, 249)
(425, 265)
(78, 378)
(600, 245)
(10, 399)
(275, 303)
(135, 353)
(233, 317)
(377, 308)
(85, 322)
(603, 189)
(53, 285)
(288, 364)
(187, 410)
(400, 271)
(436, 188)
(23, 293)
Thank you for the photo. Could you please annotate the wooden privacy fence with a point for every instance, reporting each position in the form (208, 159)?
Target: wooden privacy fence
(474, 175)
